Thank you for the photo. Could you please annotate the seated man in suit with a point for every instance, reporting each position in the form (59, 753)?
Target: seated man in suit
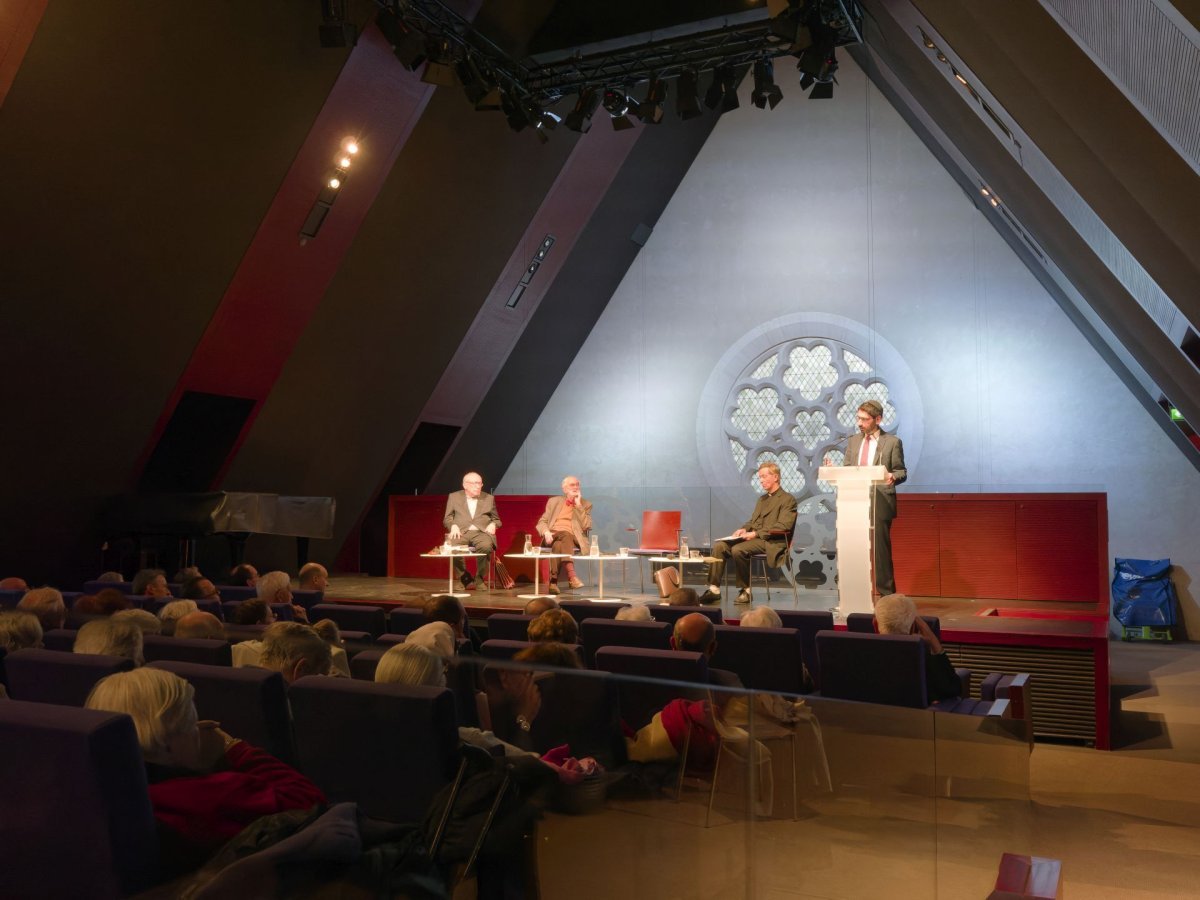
(765, 532)
(471, 517)
(565, 526)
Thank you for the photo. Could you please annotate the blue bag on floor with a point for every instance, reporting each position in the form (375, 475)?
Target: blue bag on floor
(1142, 592)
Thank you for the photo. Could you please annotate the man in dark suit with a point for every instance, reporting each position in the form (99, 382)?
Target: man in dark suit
(766, 532)
(471, 518)
(872, 446)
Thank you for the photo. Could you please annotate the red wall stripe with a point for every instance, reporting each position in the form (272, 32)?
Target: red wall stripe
(279, 282)
(19, 20)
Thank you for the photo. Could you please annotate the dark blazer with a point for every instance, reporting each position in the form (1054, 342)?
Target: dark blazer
(773, 512)
(889, 453)
(458, 514)
(581, 520)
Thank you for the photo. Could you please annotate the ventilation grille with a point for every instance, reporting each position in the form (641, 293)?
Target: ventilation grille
(1062, 684)
(1149, 57)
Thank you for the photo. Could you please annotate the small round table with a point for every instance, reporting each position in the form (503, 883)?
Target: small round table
(450, 557)
(537, 569)
(601, 560)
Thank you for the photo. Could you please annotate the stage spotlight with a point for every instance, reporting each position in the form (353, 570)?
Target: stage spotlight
(619, 105)
(479, 87)
(517, 119)
(687, 103)
(729, 95)
(580, 118)
(650, 110)
(712, 97)
(818, 69)
(765, 89)
(350, 145)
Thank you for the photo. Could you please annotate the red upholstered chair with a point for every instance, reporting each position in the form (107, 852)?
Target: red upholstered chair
(659, 535)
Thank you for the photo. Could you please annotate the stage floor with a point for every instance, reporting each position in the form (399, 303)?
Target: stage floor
(954, 612)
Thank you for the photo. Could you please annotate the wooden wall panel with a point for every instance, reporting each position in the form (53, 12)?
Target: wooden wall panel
(1058, 555)
(916, 548)
(978, 549)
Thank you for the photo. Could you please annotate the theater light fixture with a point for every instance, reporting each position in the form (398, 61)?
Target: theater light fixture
(650, 110)
(766, 91)
(334, 181)
(580, 118)
(619, 105)
(687, 101)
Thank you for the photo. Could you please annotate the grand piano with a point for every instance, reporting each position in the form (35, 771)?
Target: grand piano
(233, 514)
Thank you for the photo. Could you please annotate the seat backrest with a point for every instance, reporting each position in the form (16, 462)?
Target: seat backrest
(307, 599)
(766, 659)
(586, 609)
(493, 648)
(660, 529)
(210, 605)
(364, 664)
(10, 599)
(508, 626)
(672, 614)
(60, 639)
(250, 703)
(370, 619)
(388, 747)
(95, 587)
(808, 622)
(597, 633)
(77, 820)
(197, 650)
(236, 592)
(874, 668)
(640, 698)
(404, 620)
(581, 710)
(860, 623)
(56, 676)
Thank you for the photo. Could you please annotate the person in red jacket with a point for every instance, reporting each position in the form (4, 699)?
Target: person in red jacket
(205, 786)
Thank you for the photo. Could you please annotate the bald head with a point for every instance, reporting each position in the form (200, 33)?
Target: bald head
(13, 584)
(695, 632)
(539, 605)
(200, 624)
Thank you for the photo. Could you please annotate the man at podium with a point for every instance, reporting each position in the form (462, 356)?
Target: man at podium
(872, 446)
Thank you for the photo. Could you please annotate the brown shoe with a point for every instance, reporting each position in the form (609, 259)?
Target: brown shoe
(575, 584)
(552, 588)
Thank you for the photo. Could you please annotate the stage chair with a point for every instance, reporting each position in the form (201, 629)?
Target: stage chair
(659, 535)
(353, 617)
(766, 659)
(53, 676)
(672, 614)
(77, 819)
(597, 633)
(641, 699)
(508, 626)
(193, 650)
(250, 703)
(388, 747)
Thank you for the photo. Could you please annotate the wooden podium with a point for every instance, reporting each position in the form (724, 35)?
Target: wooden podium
(854, 485)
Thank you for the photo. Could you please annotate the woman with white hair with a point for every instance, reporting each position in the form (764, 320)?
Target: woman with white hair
(205, 786)
(110, 637)
(436, 636)
(897, 614)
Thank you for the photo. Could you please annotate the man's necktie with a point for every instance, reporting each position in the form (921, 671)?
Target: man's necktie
(862, 457)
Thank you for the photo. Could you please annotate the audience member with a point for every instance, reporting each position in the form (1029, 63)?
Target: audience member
(111, 577)
(328, 630)
(549, 653)
(187, 573)
(110, 637)
(244, 575)
(682, 596)
(539, 605)
(253, 612)
(199, 588)
(173, 612)
(554, 625)
(276, 587)
(105, 603)
(435, 636)
(294, 650)
(146, 621)
(697, 633)
(897, 614)
(761, 617)
(448, 609)
(47, 604)
(200, 624)
(19, 631)
(637, 612)
(205, 786)
(150, 583)
(12, 583)
(313, 577)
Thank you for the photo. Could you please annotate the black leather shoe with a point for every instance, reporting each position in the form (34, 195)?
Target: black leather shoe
(710, 597)
(465, 579)
(743, 596)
